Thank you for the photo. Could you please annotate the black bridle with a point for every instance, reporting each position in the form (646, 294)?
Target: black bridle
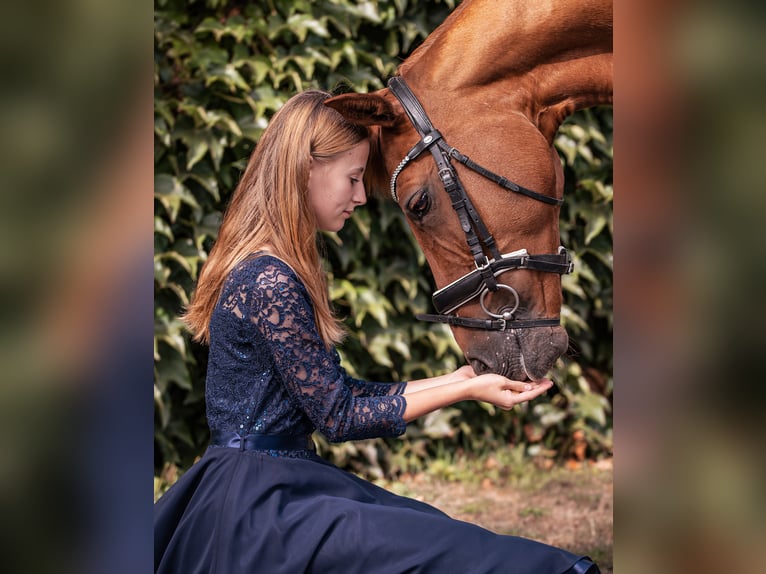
(483, 279)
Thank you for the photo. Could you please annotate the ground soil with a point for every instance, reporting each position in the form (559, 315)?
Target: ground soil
(568, 506)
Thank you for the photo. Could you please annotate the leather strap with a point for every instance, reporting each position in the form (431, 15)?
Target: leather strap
(449, 298)
(503, 182)
(488, 324)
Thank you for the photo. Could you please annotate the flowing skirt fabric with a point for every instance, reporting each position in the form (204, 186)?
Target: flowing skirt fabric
(246, 511)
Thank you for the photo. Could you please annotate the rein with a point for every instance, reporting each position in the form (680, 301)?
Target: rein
(483, 279)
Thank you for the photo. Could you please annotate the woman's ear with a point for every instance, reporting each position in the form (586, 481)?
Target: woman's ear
(365, 109)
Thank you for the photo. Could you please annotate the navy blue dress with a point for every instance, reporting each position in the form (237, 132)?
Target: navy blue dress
(261, 500)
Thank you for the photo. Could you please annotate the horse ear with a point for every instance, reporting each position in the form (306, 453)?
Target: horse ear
(364, 109)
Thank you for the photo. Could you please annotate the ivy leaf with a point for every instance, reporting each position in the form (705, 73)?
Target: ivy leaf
(172, 369)
(593, 227)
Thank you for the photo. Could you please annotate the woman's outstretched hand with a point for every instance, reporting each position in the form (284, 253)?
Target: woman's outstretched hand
(463, 384)
(499, 390)
(504, 393)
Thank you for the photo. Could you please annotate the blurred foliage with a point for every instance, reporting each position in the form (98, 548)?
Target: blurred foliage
(222, 68)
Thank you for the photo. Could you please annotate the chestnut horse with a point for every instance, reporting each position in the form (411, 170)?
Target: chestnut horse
(492, 83)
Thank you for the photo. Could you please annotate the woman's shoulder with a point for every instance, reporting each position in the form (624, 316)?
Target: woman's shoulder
(262, 269)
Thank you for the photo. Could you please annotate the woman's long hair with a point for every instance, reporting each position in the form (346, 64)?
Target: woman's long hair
(270, 207)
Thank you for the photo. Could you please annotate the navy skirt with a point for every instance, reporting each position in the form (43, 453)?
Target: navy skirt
(238, 511)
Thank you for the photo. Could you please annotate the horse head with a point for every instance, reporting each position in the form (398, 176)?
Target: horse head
(470, 106)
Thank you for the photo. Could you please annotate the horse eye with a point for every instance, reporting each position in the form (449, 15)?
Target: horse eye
(419, 204)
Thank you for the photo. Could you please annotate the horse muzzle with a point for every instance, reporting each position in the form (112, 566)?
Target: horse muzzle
(526, 354)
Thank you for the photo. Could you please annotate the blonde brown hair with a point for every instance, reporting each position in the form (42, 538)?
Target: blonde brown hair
(270, 207)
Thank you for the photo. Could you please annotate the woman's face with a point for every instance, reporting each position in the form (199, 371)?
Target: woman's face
(336, 187)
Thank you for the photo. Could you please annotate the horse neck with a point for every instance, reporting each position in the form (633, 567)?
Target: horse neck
(551, 57)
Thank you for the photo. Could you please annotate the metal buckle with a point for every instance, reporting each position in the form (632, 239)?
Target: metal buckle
(486, 264)
(562, 251)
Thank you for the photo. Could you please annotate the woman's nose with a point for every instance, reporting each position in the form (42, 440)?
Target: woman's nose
(360, 195)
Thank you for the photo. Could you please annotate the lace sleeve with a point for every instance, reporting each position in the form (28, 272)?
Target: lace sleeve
(282, 313)
(371, 389)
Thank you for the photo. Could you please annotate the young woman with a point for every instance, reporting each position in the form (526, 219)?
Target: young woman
(261, 499)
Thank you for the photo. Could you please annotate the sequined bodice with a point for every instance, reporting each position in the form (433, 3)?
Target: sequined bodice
(269, 371)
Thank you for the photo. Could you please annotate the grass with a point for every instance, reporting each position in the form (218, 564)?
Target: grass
(569, 506)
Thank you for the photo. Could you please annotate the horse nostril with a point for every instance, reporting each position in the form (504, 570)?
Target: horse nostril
(479, 366)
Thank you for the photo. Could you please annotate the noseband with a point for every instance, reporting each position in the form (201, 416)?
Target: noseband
(483, 278)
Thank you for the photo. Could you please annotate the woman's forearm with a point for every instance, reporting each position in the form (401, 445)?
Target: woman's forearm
(431, 398)
(460, 374)
(423, 384)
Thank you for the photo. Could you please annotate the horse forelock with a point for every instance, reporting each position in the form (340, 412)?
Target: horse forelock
(376, 177)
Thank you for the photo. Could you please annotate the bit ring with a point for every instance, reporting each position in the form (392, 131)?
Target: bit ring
(507, 315)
